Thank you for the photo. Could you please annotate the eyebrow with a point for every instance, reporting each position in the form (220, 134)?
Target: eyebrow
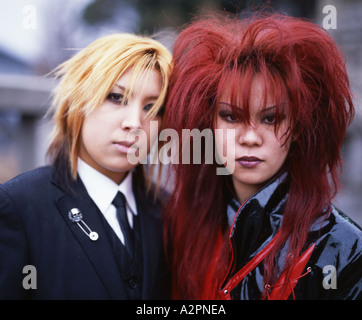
(268, 109)
(228, 104)
(147, 98)
(263, 110)
(117, 85)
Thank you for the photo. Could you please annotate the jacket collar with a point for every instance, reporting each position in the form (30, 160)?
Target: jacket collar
(151, 234)
(258, 219)
(99, 252)
(74, 195)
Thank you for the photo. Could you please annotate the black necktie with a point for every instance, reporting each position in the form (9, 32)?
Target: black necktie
(120, 203)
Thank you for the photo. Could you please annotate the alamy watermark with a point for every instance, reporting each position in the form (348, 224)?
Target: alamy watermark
(330, 20)
(202, 149)
(30, 280)
(29, 17)
(330, 278)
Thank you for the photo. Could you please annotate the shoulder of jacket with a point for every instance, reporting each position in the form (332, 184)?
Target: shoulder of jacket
(340, 241)
(345, 227)
(28, 181)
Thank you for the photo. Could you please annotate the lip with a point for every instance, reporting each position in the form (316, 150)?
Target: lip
(125, 146)
(249, 161)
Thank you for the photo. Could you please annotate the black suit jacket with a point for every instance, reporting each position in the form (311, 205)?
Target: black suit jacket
(35, 229)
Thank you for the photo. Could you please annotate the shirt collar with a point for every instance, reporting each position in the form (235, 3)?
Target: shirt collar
(102, 190)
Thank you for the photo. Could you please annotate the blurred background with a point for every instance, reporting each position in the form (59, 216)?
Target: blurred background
(37, 35)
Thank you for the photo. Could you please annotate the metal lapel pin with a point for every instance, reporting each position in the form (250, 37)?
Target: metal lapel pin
(75, 215)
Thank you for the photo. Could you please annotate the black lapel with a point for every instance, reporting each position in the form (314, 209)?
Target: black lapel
(151, 233)
(99, 252)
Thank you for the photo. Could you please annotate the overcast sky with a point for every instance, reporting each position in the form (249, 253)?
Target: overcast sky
(23, 26)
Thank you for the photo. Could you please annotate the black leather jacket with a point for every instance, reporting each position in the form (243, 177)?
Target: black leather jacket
(338, 243)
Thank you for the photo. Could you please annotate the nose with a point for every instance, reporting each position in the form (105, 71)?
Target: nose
(132, 118)
(250, 136)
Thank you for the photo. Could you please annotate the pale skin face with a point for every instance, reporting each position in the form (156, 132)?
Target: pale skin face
(109, 132)
(259, 151)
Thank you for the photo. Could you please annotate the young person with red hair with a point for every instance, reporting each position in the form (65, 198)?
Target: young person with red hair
(277, 88)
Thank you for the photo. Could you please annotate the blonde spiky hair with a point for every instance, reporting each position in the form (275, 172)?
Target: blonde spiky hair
(88, 77)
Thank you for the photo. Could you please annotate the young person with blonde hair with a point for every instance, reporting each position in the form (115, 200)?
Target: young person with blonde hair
(88, 225)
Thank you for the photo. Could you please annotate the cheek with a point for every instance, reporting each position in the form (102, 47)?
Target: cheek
(281, 150)
(151, 130)
(220, 141)
(91, 132)
(94, 135)
(86, 133)
(282, 140)
(155, 127)
(89, 146)
(225, 142)
(285, 143)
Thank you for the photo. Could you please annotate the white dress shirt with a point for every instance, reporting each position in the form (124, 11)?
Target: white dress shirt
(102, 190)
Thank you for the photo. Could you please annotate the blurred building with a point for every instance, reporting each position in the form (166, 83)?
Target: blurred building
(348, 35)
(24, 98)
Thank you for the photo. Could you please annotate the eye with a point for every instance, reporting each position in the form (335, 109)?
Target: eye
(117, 98)
(273, 119)
(269, 119)
(228, 116)
(148, 107)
